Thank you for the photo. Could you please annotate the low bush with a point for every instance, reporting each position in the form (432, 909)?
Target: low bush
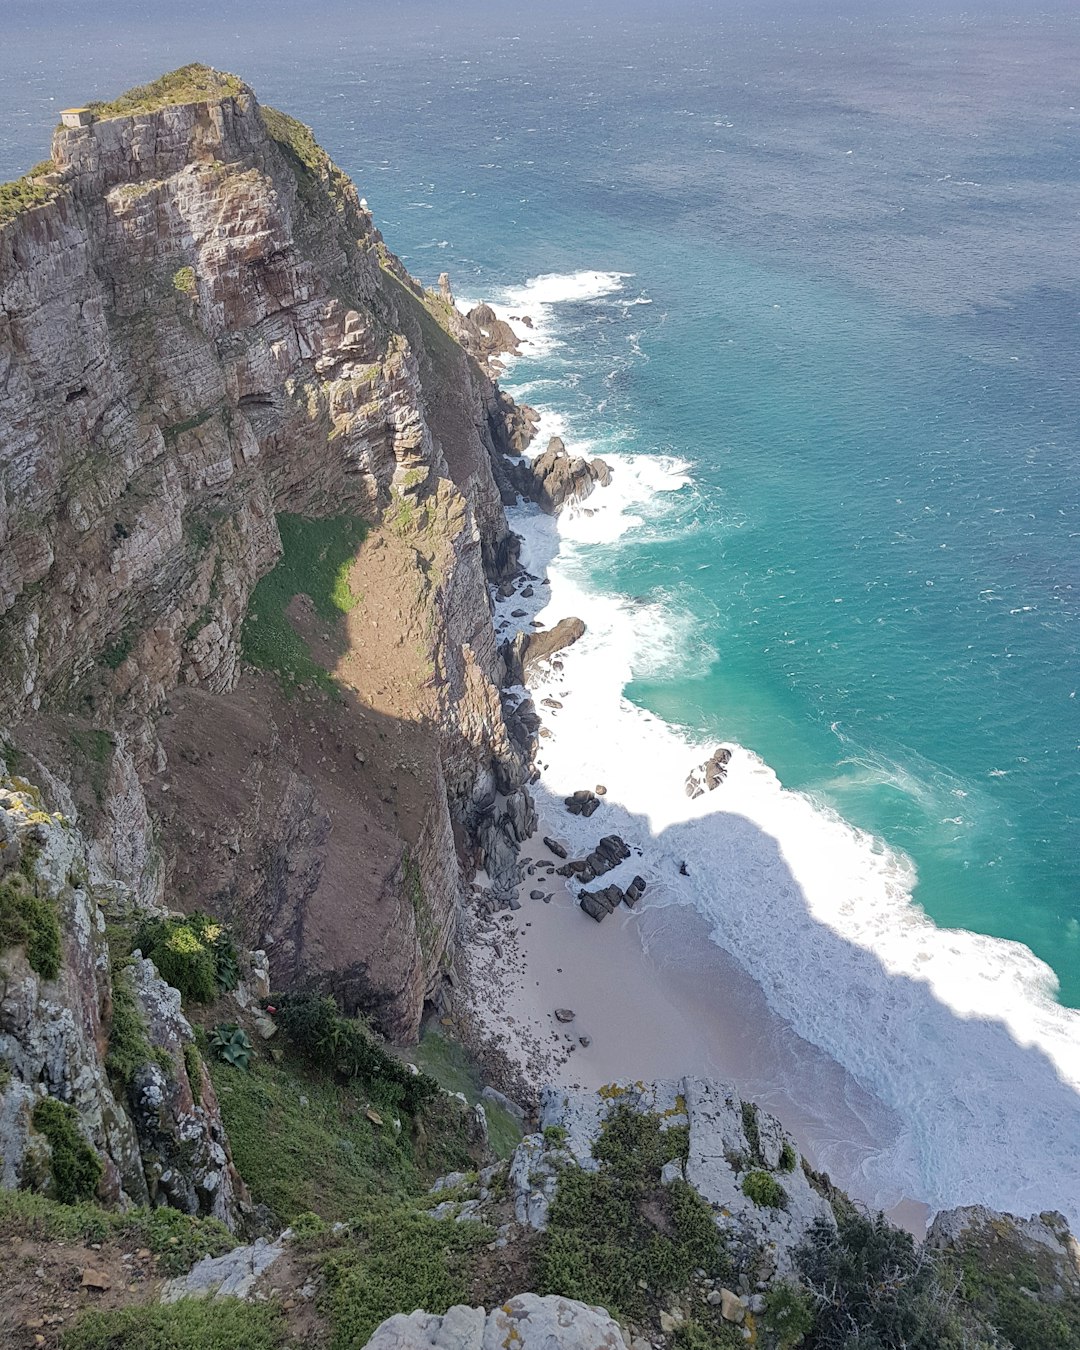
(619, 1238)
(194, 954)
(764, 1190)
(129, 1045)
(27, 919)
(873, 1287)
(789, 1314)
(342, 1045)
(398, 1261)
(76, 1169)
(191, 1324)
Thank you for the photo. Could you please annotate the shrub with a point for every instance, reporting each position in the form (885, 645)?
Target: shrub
(619, 1238)
(194, 954)
(764, 1189)
(28, 919)
(129, 1045)
(184, 280)
(554, 1136)
(342, 1045)
(874, 1288)
(399, 1261)
(191, 1324)
(76, 1168)
(788, 1158)
(789, 1313)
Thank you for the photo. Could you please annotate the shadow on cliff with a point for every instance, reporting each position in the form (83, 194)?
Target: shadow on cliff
(988, 1118)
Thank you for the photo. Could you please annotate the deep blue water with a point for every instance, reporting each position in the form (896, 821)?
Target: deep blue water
(861, 240)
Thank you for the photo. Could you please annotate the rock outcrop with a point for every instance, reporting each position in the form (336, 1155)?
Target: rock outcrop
(561, 478)
(523, 653)
(730, 1140)
(158, 1135)
(201, 333)
(709, 776)
(527, 1321)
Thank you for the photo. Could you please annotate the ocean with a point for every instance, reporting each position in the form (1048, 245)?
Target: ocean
(809, 278)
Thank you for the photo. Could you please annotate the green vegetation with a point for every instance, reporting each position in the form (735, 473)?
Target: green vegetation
(232, 1045)
(315, 561)
(876, 1289)
(193, 1068)
(184, 281)
(116, 653)
(788, 1158)
(129, 1045)
(554, 1136)
(306, 1143)
(398, 1261)
(343, 1046)
(763, 1188)
(177, 1239)
(448, 1062)
(25, 192)
(715, 1335)
(28, 919)
(789, 1314)
(1008, 1299)
(443, 351)
(617, 1237)
(76, 1169)
(191, 1324)
(93, 750)
(190, 84)
(195, 954)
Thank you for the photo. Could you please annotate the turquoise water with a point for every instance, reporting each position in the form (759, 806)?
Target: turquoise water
(859, 244)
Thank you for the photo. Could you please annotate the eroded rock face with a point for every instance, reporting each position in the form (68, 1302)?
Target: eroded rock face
(527, 650)
(201, 331)
(561, 478)
(1041, 1245)
(157, 1143)
(526, 1321)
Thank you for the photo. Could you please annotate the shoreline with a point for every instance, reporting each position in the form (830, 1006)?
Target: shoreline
(647, 1017)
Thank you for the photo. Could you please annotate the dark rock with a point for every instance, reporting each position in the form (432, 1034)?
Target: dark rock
(527, 593)
(560, 477)
(536, 895)
(710, 775)
(635, 891)
(554, 845)
(590, 806)
(599, 904)
(526, 650)
(564, 1014)
(601, 790)
(585, 1041)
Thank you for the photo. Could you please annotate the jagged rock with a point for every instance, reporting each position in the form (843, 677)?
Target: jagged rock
(1041, 1244)
(710, 775)
(494, 335)
(599, 904)
(233, 1275)
(527, 1322)
(564, 1015)
(582, 803)
(720, 1156)
(634, 891)
(560, 477)
(527, 650)
(200, 348)
(553, 844)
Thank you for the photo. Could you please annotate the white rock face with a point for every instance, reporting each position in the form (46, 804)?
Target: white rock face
(230, 1276)
(721, 1155)
(527, 1322)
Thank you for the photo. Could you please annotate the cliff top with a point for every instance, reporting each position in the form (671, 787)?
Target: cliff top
(194, 83)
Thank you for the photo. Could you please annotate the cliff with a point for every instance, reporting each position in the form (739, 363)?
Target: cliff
(205, 347)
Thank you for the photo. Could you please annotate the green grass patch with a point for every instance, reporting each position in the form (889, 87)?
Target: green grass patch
(191, 1324)
(184, 280)
(75, 1167)
(1009, 1301)
(315, 561)
(116, 653)
(448, 1062)
(617, 1237)
(396, 1262)
(25, 192)
(194, 83)
(179, 1240)
(303, 1143)
(129, 1044)
(28, 919)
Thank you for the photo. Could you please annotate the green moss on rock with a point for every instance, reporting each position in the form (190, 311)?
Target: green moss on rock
(76, 1169)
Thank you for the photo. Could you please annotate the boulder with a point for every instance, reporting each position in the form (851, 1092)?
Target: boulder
(553, 844)
(527, 1322)
(522, 653)
(599, 904)
(708, 776)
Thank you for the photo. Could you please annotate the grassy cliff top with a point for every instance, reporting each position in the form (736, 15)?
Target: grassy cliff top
(30, 190)
(190, 84)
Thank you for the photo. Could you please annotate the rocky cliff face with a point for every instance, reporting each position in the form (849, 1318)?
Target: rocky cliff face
(200, 331)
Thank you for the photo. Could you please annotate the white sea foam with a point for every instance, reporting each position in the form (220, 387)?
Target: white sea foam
(957, 1033)
(537, 301)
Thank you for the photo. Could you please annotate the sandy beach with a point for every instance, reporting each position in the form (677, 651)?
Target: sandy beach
(640, 1014)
